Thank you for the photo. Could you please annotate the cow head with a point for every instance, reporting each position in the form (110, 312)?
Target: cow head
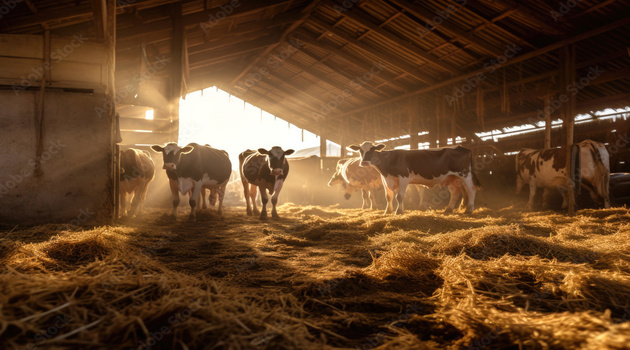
(171, 153)
(366, 150)
(337, 177)
(275, 159)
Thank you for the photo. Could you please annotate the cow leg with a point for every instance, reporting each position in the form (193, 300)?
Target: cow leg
(366, 198)
(469, 193)
(519, 184)
(215, 192)
(220, 192)
(264, 199)
(373, 205)
(252, 196)
(246, 195)
(400, 196)
(123, 203)
(194, 197)
(277, 187)
(546, 194)
(455, 191)
(136, 201)
(390, 186)
(204, 204)
(175, 196)
(565, 197)
(532, 194)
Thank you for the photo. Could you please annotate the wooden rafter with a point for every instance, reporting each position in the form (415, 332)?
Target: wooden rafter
(305, 14)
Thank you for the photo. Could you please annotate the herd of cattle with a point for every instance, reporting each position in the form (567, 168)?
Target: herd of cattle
(195, 169)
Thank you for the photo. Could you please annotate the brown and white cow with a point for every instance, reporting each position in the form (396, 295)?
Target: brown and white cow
(137, 170)
(444, 166)
(192, 168)
(546, 168)
(267, 170)
(353, 177)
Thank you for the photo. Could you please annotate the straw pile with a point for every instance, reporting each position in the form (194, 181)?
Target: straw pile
(322, 278)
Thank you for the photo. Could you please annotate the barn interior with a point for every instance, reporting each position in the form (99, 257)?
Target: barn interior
(78, 79)
(405, 73)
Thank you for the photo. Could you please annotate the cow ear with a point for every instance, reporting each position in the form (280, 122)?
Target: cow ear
(288, 152)
(186, 149)
(157, 148)
(263, 151)
(380, 146)
(353, 148)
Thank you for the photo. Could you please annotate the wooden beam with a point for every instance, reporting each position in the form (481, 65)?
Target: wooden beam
(386, 57)
(567, 77)
(517, 59)
(177, 68)
(547, 111)
(351, 79)
(359, 18)
(100, 17)
(305, 14)
(384, 76)
(448, 27)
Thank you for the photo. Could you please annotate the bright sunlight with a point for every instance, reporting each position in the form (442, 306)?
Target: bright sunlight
(212, 116)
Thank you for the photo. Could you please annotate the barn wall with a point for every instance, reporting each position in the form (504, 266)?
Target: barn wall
(74, 186)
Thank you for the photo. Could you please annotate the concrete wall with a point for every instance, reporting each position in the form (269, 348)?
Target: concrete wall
(75, 185)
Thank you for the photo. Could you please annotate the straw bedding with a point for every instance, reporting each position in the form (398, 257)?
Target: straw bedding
(322, 277)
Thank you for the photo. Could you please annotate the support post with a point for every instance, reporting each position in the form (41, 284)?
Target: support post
(109, 212)
(567, 77)
(344, 138)
(177, 52)
(547, 111)
(414, 123)
(322, 145)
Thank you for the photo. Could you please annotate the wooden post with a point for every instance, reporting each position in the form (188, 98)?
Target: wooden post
(547, 111)
(322, 144)
(344, 138)
(177, 53)
(414, 123)
(111, 212)
(567, 77)
(453, 128)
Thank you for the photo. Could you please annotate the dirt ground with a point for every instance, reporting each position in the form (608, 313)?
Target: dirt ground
(499, 278)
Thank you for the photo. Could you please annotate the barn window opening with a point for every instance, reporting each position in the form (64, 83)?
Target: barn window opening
(149, 114)
(215, 117)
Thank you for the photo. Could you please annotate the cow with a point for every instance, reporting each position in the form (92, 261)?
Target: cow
(352, 177)
(267, 170)
(546, 168)
(137, 170)
(192, 168)
(399, 168)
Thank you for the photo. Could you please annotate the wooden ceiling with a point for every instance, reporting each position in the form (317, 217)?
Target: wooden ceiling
(351, 69)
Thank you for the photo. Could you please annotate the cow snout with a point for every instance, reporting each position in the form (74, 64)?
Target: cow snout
(276, 172)
(346, 196)
(169, 166)
(364, 163)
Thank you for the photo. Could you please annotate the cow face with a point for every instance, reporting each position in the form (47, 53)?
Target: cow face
(337, 177)
(275, 159)
(171, 153)
(366, 150)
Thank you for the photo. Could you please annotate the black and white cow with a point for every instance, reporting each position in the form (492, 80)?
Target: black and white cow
(137, 170)
(267, 170)
(353, 177)
(192, 168)
(546, 168)
(399, 168)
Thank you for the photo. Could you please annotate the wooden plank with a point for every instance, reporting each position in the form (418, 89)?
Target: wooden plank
(27, 46)
(448, 27)
(149, 138)
(160, 125)
(517, 59)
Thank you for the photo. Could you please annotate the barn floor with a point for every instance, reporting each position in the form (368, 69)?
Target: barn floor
(321, 277)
